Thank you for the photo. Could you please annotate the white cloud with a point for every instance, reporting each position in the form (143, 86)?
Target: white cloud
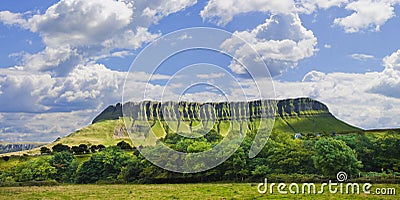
(24, 93)
(44, 127)
(392, 61)
(348, 97)
(210, 76)
(222, 11)
(81, 22)
(367, 15)
(362, 57)
(81, 31)
(325, 4)
(388, 82)
(10, 18)
(310, 6)
(282, 41)
(327, 46)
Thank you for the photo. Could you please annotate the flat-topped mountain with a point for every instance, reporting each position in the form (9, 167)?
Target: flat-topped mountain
(300, 115)
(219, 110)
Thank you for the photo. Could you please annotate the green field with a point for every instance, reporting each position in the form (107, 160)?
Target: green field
(173, 191)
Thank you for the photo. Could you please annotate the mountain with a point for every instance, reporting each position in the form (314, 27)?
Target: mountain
(13, 147)
(301, 115)
(291, 115)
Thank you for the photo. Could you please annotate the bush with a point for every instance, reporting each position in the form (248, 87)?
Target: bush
(6, 158)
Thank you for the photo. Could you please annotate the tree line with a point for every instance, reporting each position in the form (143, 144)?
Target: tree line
(283, 155)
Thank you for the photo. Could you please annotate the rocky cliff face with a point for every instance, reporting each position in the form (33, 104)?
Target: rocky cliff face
(217, 110)
(6, 148)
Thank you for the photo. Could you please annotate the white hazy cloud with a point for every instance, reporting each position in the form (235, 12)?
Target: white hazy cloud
(282, 41)
(327, 46)
(210, 76)
(362, 57)
(367, 15)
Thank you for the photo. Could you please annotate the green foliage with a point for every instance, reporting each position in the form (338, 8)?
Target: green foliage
(332, 156)
(124, 145)
(60, 148)
(38, 169)
(81, 149)
(45, 150)
(387, 151)
(131, 172)
(105, 165)
(65, 165)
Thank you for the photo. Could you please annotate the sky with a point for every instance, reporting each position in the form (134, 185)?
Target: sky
(63, 62)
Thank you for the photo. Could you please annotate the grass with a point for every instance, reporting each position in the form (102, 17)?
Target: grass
(172, 191)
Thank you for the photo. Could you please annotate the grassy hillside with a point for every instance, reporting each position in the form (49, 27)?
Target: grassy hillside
(313, 124)
(104, 132)
(302, 115)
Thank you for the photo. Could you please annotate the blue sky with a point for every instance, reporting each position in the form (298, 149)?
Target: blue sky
(63, 62)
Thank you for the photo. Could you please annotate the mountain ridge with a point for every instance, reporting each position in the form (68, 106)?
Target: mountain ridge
(284, 108)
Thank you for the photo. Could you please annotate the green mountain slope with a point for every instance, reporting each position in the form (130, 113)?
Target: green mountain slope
(302, 115)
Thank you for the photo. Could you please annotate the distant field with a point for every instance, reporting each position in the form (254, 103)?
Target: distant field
(173, 191)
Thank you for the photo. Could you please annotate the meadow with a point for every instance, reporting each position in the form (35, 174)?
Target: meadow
(174, 191)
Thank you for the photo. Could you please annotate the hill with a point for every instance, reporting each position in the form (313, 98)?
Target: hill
(301, 115)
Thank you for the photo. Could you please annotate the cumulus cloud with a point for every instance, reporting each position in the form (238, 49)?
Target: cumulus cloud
(282, 41)
(348, 97)
(43, 127)
(10, 18)
(80, 31)
(364, 100)
(392, 61)
(222, 11)
(310, 6)
(367, 15)
(24, 92)
(388, 82)
(64, 77)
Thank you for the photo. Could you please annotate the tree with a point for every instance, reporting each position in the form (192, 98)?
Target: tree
(332, 156)
(93, 148)
(100, 147)
(386, 153)
(45, 150)
(124, 145)
(60, 147)
(38, 169)
(6, 158)
(81, 149)
(62, 161)
(105, 165)
(132, 170)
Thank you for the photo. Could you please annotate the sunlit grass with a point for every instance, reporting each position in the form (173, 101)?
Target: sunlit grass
(170, 191)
